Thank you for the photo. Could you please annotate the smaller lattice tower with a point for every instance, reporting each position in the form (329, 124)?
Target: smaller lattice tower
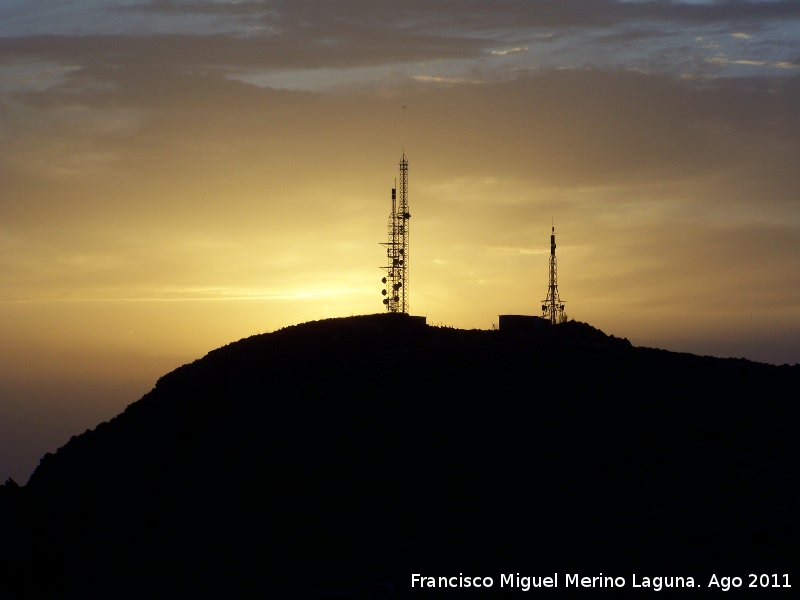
(395, 292)
(552, 306)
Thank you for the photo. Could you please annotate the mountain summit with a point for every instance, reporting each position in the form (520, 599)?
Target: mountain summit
(337, 458)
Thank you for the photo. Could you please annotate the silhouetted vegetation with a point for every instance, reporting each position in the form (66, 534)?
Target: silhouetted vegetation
(340, 456)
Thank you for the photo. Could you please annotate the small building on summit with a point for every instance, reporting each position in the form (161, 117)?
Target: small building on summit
(522, 323)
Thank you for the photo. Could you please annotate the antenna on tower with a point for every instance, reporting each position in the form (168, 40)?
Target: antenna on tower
(552, 305)
(395, 292)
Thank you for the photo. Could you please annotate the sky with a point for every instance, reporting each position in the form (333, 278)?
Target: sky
(179, 175)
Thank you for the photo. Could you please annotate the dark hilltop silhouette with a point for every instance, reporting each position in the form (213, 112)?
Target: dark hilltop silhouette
(335, 458)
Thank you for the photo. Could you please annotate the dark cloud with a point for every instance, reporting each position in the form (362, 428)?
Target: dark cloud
(306, 34)
(157, 87)
(477, 15)
(564, 127)
(334, 46)
(575, 127)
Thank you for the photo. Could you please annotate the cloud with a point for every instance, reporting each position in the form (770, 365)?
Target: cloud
(385, 45)
(509, 51)
(446, 80)
(335, 47)
(572, 127)
(763, 63)
(308, 34)
(474, 15)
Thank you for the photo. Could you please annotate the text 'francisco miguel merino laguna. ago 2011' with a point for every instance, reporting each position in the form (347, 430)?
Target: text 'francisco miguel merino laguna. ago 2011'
(575, 580)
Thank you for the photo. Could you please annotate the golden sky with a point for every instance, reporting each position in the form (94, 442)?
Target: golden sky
(178, 175)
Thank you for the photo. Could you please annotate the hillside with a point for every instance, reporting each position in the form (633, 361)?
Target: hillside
(337, 457)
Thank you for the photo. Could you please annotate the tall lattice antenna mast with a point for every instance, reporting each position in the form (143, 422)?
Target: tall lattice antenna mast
(552, 306)
(396, 280)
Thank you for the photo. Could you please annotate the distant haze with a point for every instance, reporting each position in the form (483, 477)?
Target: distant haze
(179, 175)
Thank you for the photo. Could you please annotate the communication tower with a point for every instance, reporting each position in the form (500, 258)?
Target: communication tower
(396, 280)
(552, 306)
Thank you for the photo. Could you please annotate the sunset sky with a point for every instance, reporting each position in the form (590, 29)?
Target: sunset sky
(178, 175)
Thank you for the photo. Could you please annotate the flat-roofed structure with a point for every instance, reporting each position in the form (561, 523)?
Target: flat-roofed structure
(522, 323)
